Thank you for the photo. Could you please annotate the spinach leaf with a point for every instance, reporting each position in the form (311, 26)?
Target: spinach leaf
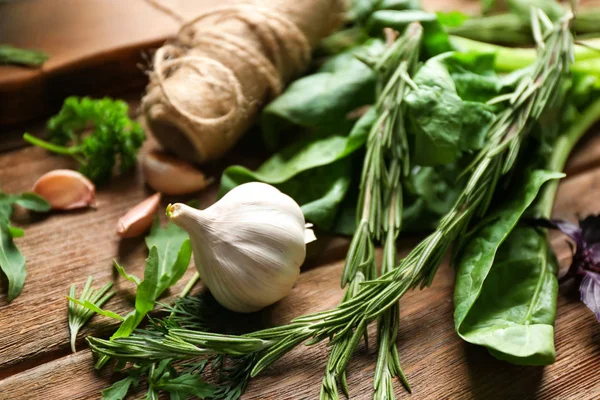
(443, 124)
(323, 100)
(506, 287)
(319, 191)
(315, 172)
(429, 193)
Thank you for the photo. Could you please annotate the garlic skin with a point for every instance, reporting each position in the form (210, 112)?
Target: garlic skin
(248, 247)
(65, 189)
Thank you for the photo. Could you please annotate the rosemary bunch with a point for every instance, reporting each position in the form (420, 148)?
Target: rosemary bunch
(375, 299)
(380, 205)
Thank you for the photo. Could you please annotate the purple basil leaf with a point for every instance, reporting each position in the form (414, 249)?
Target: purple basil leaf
(590, 292)
(590, 229)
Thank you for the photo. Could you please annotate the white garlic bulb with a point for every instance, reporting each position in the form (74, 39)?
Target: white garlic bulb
(248, 247)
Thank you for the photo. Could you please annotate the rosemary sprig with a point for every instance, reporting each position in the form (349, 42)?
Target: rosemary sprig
(376, 297)
(80, 315)
(387, 150)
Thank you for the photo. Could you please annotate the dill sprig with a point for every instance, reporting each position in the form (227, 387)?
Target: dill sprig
(374, 298)
(80, 315)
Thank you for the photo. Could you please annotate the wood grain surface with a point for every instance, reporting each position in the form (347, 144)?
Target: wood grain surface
(35, 361)
(64, 248)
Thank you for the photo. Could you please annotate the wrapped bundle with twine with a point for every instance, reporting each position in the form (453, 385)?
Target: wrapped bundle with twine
(208, 85)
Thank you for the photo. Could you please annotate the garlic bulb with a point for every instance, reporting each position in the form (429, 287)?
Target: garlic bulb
(248, 247)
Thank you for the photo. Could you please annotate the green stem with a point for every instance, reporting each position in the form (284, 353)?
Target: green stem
(69, 151)
(509, 59)
(562, 148)
(186, 290)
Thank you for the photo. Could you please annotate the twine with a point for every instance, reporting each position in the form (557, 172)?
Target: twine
(274, 31)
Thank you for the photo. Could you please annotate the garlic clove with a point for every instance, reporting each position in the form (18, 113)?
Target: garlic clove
(65, 189)
(172, 176)
(138, 219)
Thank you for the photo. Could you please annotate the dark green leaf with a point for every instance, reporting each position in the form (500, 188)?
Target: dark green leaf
(444, 125)
(505, 294)
(12, 263)
(118, 390)
(314, 172)
(323, 100)
(429, 193)
(318, 191)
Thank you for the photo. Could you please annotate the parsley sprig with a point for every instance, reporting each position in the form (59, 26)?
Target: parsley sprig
(96, 133)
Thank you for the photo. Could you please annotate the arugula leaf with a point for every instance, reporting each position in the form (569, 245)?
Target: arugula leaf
(124, 274)
(169, 255)
(506, 287)
(12, 262)
(444, 125)
(323, 100)
(118, 390)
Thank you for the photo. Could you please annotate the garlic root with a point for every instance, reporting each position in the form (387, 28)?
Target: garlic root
(139, 218)
(172, 176)
(65, 189)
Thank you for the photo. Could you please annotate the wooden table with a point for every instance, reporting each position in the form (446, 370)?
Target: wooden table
(64, 248)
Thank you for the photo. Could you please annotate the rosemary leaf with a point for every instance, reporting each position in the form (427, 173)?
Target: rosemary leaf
(79, 311)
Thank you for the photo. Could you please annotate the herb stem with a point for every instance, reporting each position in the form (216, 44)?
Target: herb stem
(509, 59)
(190, 285)
(562, 149)
(69, 151)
